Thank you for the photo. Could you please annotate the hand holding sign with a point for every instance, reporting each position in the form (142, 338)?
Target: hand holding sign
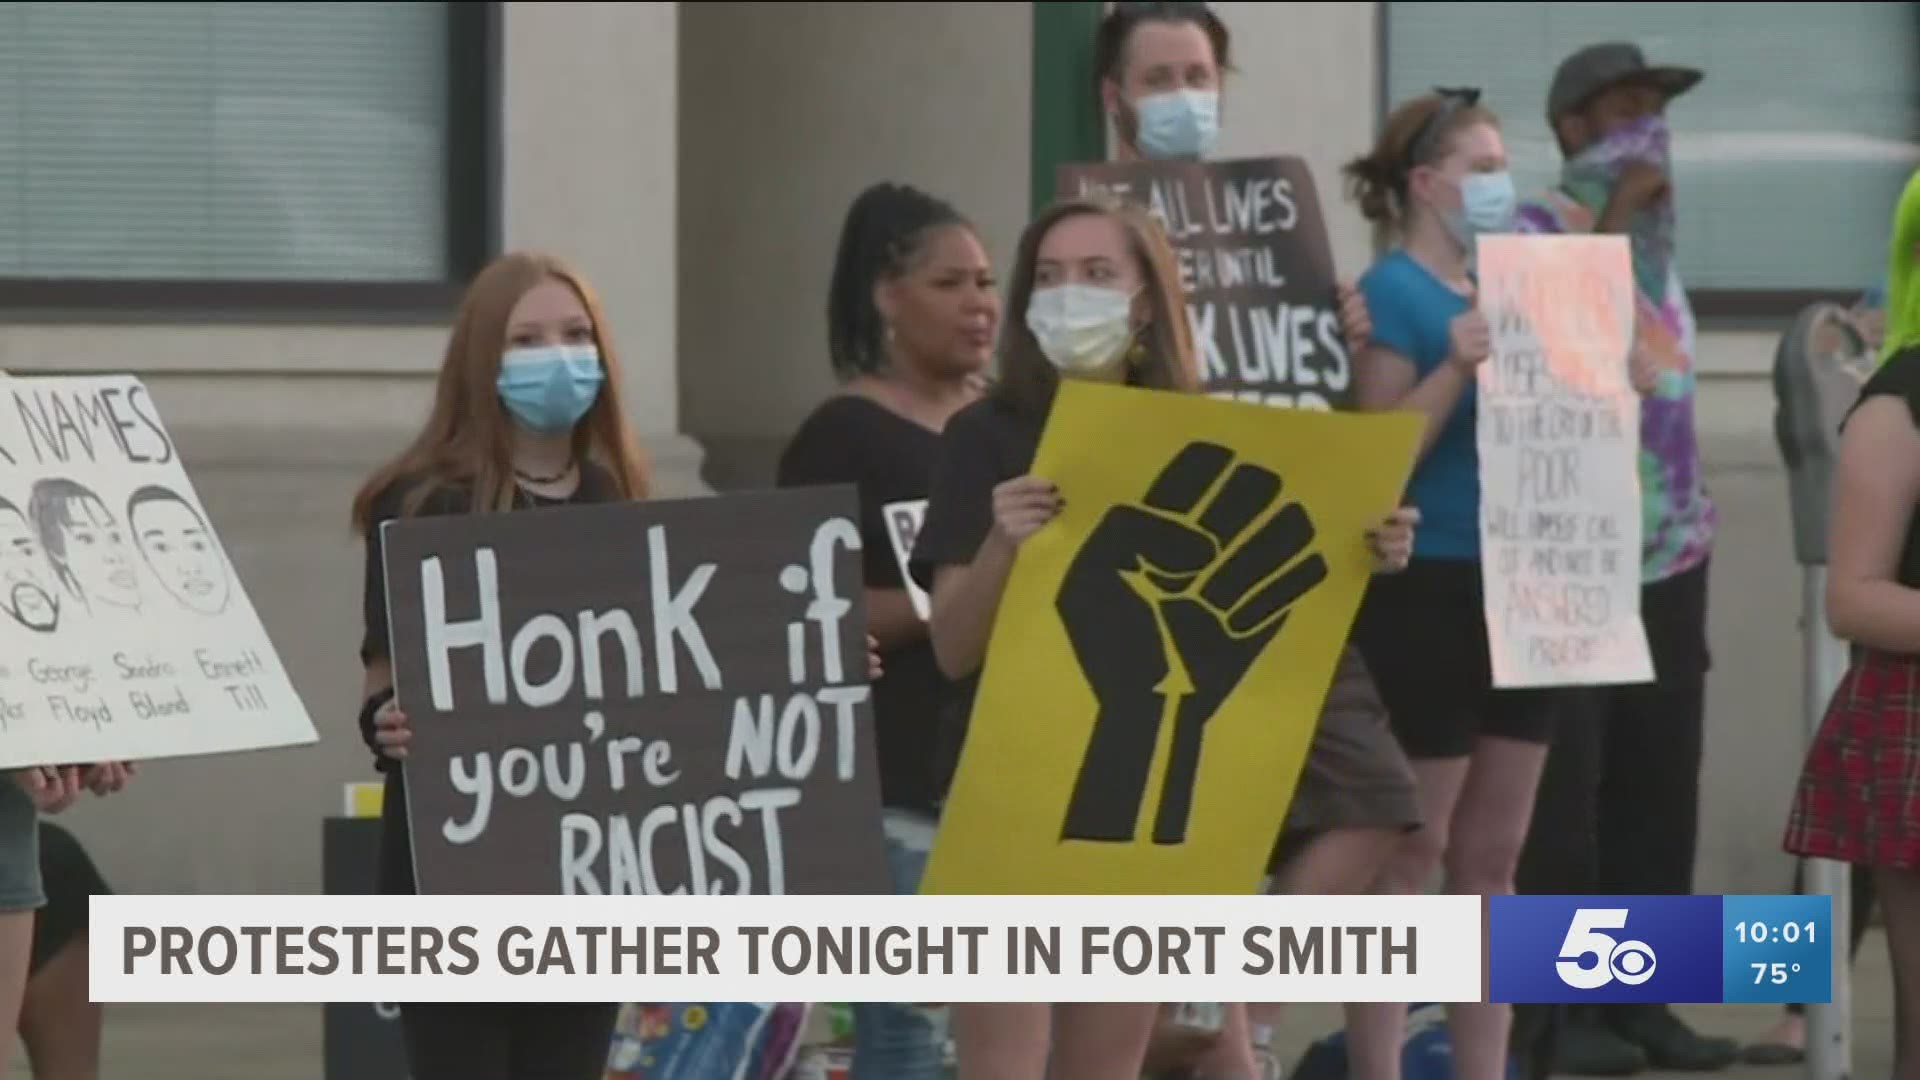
(1356, 322)
(108, 777)
(1167, 607)
(52, 787)
(1469, 337)
(1643, 369)
(390, 730)
(1392, 540)
(1021, 506)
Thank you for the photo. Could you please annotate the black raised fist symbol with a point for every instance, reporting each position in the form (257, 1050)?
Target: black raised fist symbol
(1167, 604)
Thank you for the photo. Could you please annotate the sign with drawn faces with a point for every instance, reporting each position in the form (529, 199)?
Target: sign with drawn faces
(124, 632)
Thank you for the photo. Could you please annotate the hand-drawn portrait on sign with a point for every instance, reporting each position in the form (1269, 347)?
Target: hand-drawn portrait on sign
(26, 594)
(85, 543)
(179, 549)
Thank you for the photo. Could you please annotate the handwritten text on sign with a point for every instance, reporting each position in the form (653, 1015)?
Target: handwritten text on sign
(124, 632)
(645, 698)
(1257, 268)
(1559, 439)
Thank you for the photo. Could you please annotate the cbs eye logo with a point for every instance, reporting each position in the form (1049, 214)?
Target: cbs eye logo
(1590, 959)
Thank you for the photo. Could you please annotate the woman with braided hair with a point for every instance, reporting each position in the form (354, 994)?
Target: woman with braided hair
(911, 316)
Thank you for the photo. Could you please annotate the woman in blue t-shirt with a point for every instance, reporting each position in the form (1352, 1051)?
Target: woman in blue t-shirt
(1437, 178)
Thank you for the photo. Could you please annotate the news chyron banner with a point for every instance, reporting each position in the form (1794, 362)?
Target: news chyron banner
(301, 949)
(1669, 949)
(1561, 949)
(1177, 627)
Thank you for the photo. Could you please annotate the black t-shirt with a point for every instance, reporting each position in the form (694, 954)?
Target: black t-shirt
(985, 444)
(855, 440)
(1900, 377)
(396, 847)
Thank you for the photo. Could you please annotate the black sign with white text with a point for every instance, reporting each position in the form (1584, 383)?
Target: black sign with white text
(1257, 268)
(638, 699)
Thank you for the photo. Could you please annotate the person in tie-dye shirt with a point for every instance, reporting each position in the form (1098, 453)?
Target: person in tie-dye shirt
(1629, 778)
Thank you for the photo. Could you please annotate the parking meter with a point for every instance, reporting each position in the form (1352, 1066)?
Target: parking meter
(1817, 373)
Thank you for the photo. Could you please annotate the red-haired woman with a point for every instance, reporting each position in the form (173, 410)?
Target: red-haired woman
(527, 414)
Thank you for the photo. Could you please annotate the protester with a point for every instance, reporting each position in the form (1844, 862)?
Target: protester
(1159, 71)
(1785, 1042)
(911, 315)
(527, 414)
(23, 883)
(1437, 178)
(1856, 795)
(1099, 297)
(1635, 754)
(59, 1021)
(1901, 327)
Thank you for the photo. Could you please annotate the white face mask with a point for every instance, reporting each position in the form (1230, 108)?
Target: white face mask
(1081, 328)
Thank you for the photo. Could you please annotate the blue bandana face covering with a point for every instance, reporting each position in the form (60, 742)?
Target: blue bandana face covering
(550, 387)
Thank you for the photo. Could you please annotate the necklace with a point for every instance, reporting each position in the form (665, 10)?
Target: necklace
(528, 477)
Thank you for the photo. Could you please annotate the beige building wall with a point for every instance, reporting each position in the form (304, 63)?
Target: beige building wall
(841, 95)
(706, 207)
(279, 423)
(1306, 85)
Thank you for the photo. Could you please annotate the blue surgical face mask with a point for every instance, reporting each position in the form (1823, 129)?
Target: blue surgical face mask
(549, 388)
(1178, 125)
(1487, 205)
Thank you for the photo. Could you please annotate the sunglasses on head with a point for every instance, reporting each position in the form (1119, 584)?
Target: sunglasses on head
(1452, 100)
(1160, 8)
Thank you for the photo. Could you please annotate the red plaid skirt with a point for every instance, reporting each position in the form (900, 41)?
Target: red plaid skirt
(1859, 795)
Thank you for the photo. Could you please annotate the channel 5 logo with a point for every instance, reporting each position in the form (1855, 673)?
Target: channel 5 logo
(1604, 948)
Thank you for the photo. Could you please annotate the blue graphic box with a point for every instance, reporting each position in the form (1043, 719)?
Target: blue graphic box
(1677, 949)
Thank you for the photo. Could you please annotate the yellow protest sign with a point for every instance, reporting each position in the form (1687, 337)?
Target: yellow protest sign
(1163, 648)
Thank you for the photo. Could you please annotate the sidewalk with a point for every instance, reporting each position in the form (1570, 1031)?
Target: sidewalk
(282, 1042)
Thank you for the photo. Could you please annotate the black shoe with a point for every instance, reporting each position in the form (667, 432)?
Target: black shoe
(1671, 1045)
(1585, 1047)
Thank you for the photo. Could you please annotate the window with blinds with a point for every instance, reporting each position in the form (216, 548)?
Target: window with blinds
(1789, 155)
(224, 141)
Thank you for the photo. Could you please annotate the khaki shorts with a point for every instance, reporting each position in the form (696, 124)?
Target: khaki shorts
(1356, 776)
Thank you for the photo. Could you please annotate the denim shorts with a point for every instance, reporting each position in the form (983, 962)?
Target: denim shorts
(909, 842)
(897, 1041)
(21, 888)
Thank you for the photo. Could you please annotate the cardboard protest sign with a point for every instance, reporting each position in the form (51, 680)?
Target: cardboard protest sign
(903, 528)
(1257, 268)
(124, 631)
(1163, 648)
(1559, 440)
(643, 698)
